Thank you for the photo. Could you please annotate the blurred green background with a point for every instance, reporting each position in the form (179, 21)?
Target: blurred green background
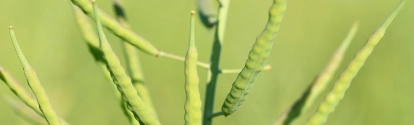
(310, 32)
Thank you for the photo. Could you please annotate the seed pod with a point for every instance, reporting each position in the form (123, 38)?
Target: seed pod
(24, 111)
(91, 38)
(121, 79)
(319, 84)
(208, 13)
(132, 61)
(338, 91)
(18, 89)
(35, 85)
(256, 60)
(22, 93)
(193, 102)
(113, 26)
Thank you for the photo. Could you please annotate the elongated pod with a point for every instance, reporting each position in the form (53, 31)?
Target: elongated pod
(319, 84)
(256, 60)
(338, 91)
(24, 111)
(91, 38)
(18, 89)
(113, 26)
(193, 102)
(122, 80)
(207, 12)
(22, 93)
(132, 60)
(35, 85)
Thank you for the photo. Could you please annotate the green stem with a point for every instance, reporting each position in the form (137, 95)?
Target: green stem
(214, 70)
(180, 58)
(216, 114)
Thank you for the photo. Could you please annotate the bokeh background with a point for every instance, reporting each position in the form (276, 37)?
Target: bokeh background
(381, 94)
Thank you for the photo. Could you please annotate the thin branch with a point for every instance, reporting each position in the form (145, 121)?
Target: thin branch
(216, 114)
(228, 71)
(180, 58)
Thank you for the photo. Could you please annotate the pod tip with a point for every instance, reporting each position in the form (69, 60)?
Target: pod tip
(10, 27)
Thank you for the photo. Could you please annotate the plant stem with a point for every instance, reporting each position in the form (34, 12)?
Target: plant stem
(214, 71)
(216, 114)
(180, 58)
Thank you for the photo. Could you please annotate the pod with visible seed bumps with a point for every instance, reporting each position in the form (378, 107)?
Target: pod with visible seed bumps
(121, 79)
(256, 60)
(192, 104)
(320, 83)
(333, 98)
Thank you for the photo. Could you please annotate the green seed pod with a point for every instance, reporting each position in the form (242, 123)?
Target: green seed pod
(24, 111)
(22, 93)
(338, 91)
(113, 26)
(319, 84)
(132, 60)
(122, 80)
(18, 89)
(35, 85)
(208, 13)
(193, 102)
(91, 38)
(256, 61)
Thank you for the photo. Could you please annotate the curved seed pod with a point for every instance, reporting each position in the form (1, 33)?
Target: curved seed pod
(193, 102)
(24, 111)
(208, 13)
(35, 84)
(113, 26)
(122, 80)
(92, 41)
(22, 93)
(18, 89)
(133, 64)
(319, 84)
(256, 61)
(338, 91)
